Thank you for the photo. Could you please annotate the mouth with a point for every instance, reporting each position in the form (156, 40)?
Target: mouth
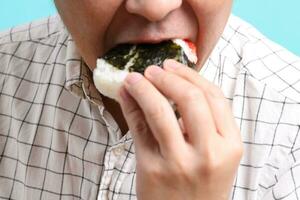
(131, 29)
(150, 40)
(154, 52)
(126, 58)
(187, 45)
(150, 34)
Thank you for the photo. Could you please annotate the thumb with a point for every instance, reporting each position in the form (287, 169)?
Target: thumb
(143, 139)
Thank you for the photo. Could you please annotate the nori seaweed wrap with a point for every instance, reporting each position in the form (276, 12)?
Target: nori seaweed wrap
(114, 66)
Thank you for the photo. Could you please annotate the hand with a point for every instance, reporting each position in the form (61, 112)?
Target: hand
(194, 159)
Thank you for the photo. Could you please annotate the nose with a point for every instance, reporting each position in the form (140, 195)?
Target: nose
(153, 10)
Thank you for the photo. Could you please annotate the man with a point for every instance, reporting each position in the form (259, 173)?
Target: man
(61, 139)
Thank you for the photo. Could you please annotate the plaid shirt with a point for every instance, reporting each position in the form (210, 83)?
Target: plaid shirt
(57, 140)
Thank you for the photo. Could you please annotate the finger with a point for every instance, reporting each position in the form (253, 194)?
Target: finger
(158, 113)
(219, 105)
(144, 142)
(190, 102)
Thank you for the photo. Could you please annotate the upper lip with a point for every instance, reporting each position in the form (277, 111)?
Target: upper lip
(152, 35)
(146, 40)
(147, 35)
(149, 39)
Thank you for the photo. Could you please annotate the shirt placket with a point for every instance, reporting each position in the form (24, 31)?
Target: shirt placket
(119, 161)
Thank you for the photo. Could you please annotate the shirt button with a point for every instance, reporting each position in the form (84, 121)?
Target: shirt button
(118, 151)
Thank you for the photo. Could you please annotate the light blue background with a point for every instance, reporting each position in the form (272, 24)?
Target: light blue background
(279, 20)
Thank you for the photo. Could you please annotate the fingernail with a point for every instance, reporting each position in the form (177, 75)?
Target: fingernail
(153, 70)
(133, 78)
(171, 64)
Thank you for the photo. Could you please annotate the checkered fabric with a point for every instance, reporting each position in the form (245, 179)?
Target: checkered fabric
(57, 140)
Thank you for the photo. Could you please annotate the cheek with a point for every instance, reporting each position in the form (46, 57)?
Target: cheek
(212, 16)
(101, 12)
(97, 18)
(87, 21)
(102, 7)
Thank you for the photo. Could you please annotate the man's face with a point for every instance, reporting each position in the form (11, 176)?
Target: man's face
(98, 25)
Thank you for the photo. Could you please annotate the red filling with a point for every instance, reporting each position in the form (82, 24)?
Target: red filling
(191, 45)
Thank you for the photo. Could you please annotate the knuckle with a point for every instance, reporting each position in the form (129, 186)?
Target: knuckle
(208, 169)
(237, 150)
(136, 121)
(140, 89)
(153, 172)
(174, 171)
(192, 94)
(210, 164)
(156, 112)
(165, 80)
(133, 113)
(140, 126)
(214, 91)
(180, 171)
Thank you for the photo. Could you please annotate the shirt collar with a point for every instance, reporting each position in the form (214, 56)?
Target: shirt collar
(228, 49)
(79, 78)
